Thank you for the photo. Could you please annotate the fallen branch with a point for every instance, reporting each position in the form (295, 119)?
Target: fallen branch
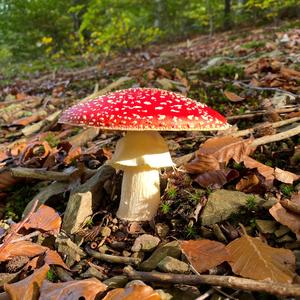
(259, 88)
(264, 125)
(263, 112)
(280, 289)
(43, 174)
(276, 137)
(113, 258)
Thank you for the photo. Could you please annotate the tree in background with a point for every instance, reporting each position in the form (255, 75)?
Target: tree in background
(39, 28)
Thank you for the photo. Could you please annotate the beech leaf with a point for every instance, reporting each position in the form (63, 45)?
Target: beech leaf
(28, 288)
(133, 292)
(233, 97)
(24, 248)
(285, 176)
(251, 258)
(53, 258)
(76, 289)
(46, 219)
(204, 254)
(287, 218)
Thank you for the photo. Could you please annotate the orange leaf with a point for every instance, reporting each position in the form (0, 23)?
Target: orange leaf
(46, 219)
(28, 288)
(251, 258)
(24, 248)
(204, 254)
(233, 97)
(132, 293)
(76, 289)
(246, 184)
(53, 258)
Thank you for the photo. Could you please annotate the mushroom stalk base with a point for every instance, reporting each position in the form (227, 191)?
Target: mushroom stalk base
(140, 194)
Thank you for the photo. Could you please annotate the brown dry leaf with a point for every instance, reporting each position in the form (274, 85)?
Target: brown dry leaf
(247, 183)
(213, 179)
(296, 198)
(132, 293)
(202, 163)
(24, 248)
(72, 155)
(28, 288)
(251, 258)
(264, 170)
(76, 289)
(287, 218)
(46, 219)
(35, 153)
(204, 254)
(290, 73)
(233, 97)
(285, 176)
(226, 147)
(53, 258)
(217, 178)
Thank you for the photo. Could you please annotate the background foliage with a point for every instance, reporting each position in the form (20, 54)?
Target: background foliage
(31, 29)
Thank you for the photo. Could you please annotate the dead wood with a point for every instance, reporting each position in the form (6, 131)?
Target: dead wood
(42, 174)
(280, 289)
(113, 258)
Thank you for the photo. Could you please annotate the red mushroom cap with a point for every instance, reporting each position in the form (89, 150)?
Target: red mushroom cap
(144, 109)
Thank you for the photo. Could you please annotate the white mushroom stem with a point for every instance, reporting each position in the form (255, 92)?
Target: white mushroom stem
(140, 154)
(140, 195)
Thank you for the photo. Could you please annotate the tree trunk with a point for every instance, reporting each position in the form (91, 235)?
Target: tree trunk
(227, 15)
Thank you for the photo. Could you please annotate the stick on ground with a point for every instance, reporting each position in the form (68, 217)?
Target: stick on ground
(280, 289)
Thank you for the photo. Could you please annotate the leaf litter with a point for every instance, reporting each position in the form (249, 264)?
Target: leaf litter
(254, 92)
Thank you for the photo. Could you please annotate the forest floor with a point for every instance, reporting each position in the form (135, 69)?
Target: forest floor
(228, 226)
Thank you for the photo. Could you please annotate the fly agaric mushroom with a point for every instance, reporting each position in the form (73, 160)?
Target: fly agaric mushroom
(142, 152)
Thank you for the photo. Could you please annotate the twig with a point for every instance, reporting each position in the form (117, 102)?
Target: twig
(280, 289)
(291, 206)
(263, 112)
(113, 258)
(26, 237)
(276, 137)
(11, 235)
(263, 125)
(42, 174)
(252, 87)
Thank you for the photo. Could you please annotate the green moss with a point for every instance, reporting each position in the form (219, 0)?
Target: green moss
(52, 139)
(254, 44)
(286, 189)
(224, 71)
(165, 207)
(190, 231)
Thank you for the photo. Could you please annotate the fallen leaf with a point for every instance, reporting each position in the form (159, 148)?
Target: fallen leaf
(28, 288)
(46, 219)
(287, 218)
(266, 171)
(285, 176)
(233, 97)
(204, 254)
(53, 258)
(251, 258)
(24, 248)
(132, 293)
(76, 289)
(225, 148)
(202, 163)
(247, 184)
